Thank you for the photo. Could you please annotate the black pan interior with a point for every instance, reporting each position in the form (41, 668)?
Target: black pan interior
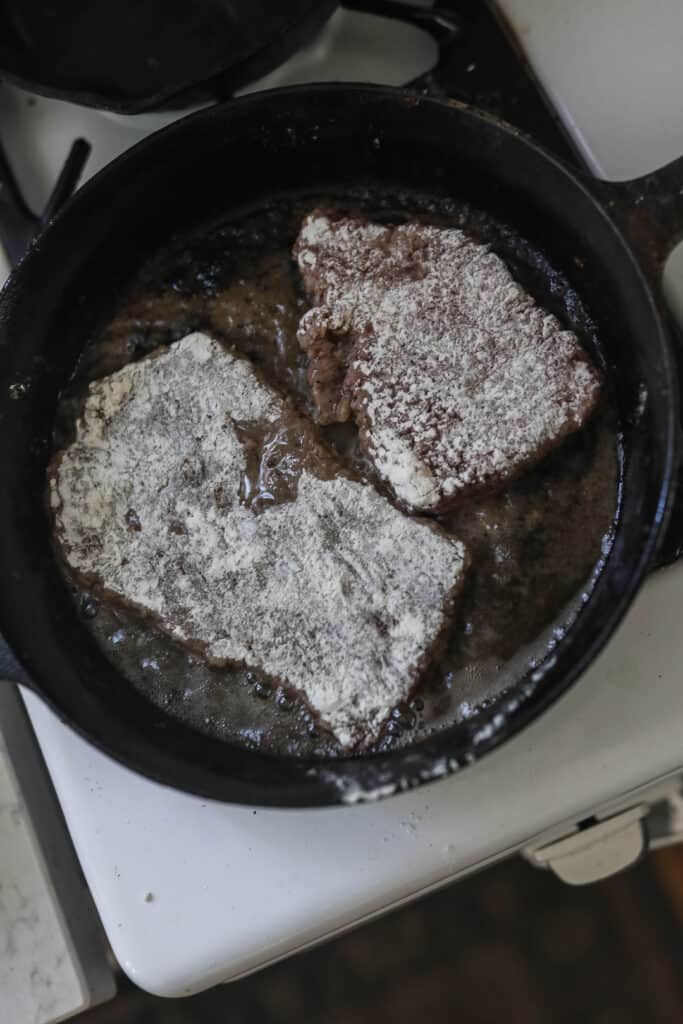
(308, 139)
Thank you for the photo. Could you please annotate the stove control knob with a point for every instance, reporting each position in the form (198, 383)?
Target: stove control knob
(596, 849)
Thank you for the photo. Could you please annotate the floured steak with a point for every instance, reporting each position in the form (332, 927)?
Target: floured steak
(196, 494)
(457, 379)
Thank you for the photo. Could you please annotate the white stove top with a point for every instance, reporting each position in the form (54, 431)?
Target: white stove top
(191, 892)
(234, 888)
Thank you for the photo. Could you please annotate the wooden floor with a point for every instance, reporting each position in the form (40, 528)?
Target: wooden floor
(668, 867)
(511, 945)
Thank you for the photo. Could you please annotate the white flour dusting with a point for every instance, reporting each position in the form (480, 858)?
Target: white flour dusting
(457, 379)
(334, 593)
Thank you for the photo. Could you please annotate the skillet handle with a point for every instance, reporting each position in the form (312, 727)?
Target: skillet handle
(441, 24)
(18, 226)
(649, 212)
(68, 179)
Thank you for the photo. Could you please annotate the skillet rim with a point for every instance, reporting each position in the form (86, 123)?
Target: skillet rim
(345, 780)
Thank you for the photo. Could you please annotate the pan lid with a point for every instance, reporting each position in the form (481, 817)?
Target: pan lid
(138, 55)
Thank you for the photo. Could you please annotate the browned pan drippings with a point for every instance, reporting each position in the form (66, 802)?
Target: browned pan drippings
(534, 547)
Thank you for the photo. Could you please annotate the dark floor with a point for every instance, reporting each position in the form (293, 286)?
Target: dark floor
(510, 945)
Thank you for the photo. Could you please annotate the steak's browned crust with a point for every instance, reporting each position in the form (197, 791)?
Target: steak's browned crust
(457, 379)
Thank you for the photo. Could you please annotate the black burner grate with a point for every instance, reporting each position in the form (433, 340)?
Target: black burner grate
(484, 66)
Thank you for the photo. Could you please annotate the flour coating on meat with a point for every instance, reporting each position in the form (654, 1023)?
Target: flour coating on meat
(332, 592)
(456, 377)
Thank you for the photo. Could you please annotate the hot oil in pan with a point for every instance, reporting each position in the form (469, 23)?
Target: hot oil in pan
(534, 547)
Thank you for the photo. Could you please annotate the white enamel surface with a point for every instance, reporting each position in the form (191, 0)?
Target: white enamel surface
(4, 266)
(613, 69)
(672, 279)
(37, 132)
(357, 48)
(233, 888)
(40, 977)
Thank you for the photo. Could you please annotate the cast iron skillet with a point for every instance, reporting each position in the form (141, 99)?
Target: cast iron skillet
(285, 142)
(131, 56)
